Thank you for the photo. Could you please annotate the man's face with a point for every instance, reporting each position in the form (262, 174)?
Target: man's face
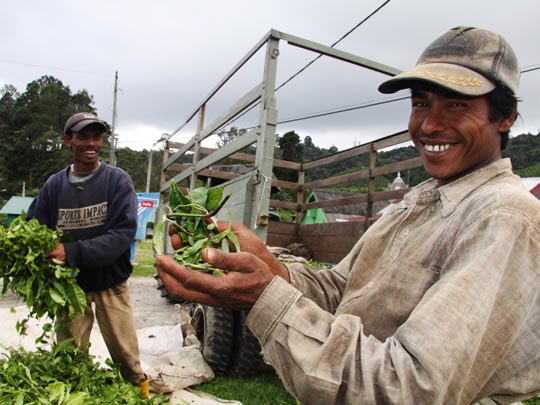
(453, 133)
(86, 146)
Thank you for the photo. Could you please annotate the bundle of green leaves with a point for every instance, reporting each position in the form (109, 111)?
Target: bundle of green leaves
(47, 287)
(64, 375)
(193, 213)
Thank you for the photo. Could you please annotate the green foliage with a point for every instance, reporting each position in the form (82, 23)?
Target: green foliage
(290, 149)
(136, 164)
(190, 214)
(524, 151)
(144, 260)
(46, 287)
(31, 131)
(64, 375)
(531, 171)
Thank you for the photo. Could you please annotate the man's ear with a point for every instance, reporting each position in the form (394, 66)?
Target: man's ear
(67, 140)
(506, 123)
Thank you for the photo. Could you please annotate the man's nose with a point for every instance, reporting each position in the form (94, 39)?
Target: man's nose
(433, 121)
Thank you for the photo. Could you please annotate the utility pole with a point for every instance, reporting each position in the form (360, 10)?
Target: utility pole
(112, 157)
(149, 172)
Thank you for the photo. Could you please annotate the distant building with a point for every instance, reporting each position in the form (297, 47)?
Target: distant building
(15, 207)
(397, 184)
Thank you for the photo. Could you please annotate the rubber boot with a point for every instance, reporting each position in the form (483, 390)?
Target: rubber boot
(145, 388)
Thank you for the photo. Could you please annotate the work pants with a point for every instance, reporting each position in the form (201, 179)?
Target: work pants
(115, 319)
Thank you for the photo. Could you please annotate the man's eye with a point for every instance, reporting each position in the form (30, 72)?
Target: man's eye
(418, 103)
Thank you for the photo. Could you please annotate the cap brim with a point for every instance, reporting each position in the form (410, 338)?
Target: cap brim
(455, 78)
(84, 123)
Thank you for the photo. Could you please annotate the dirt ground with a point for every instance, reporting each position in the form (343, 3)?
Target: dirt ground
(149, 308)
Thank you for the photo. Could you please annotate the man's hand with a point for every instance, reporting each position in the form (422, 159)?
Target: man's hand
(58, 253)
(248, 273)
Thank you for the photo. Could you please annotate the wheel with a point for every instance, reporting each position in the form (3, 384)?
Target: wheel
(214, 327)
(247, 359)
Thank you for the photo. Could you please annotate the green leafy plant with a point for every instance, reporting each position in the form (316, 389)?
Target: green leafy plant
(46, 286)
(192, 214)
(64, 375)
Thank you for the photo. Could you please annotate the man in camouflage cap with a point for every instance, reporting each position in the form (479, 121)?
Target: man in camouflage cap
(439, 301)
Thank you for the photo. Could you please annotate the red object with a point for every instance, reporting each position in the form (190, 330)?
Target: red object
(147, 204)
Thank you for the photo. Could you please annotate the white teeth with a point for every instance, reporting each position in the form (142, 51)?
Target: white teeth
(437, 148)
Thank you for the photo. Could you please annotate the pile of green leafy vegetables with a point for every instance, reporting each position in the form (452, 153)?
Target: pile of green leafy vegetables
(62, 374)
(193, 216)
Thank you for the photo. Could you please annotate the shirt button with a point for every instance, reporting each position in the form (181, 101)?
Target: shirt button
(405, 232)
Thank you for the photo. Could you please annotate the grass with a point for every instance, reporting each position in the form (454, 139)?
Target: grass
(264, 389)
(144, 260)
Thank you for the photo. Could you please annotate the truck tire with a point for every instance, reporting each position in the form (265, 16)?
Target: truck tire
(214, 327)
(247, 359)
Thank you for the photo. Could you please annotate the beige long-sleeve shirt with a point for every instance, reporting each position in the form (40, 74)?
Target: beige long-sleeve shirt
(436, 304)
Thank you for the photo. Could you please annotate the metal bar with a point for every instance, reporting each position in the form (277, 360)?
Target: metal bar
(246, 101)
(245, 140)
(258, 218)
(235, 69)
(337, 54)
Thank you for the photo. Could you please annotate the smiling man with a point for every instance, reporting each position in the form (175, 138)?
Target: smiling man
(96, 205)
(438, 302)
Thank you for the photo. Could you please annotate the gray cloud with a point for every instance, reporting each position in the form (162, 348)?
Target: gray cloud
(170, 54)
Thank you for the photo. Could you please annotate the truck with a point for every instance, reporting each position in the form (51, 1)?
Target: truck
(227, 344)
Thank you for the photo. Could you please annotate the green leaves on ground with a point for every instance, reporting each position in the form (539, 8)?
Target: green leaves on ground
(190, 213)
(65, 375)
(46, 287)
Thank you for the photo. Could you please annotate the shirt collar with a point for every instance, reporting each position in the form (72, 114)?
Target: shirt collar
(451, 194)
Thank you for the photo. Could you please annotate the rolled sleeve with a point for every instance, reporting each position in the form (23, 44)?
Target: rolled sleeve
(278, 297)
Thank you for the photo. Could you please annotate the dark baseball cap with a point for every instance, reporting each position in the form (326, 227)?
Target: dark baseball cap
(78, 121)
(465, 60)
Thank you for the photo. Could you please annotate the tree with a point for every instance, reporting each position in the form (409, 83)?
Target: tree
(31, 130)
(224, 136)
(290, 150)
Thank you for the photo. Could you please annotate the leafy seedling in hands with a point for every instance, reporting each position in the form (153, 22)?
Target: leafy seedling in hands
(190, 213)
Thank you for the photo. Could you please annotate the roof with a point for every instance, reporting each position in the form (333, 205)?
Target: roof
(536, 191)
(16, 205)
(532, 184)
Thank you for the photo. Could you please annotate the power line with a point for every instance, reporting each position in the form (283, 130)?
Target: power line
(333, 45)
(316, 58)
(342, 110)
(53, 67)
(530, 69)
(361, 106)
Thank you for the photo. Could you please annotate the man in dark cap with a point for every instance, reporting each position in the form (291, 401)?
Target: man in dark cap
(438, 302)
(96, 204)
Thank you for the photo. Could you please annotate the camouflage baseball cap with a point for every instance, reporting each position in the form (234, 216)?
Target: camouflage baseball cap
(81, 120)
(465, 60)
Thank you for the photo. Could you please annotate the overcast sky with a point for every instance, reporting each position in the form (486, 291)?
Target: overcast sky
(170, 54)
